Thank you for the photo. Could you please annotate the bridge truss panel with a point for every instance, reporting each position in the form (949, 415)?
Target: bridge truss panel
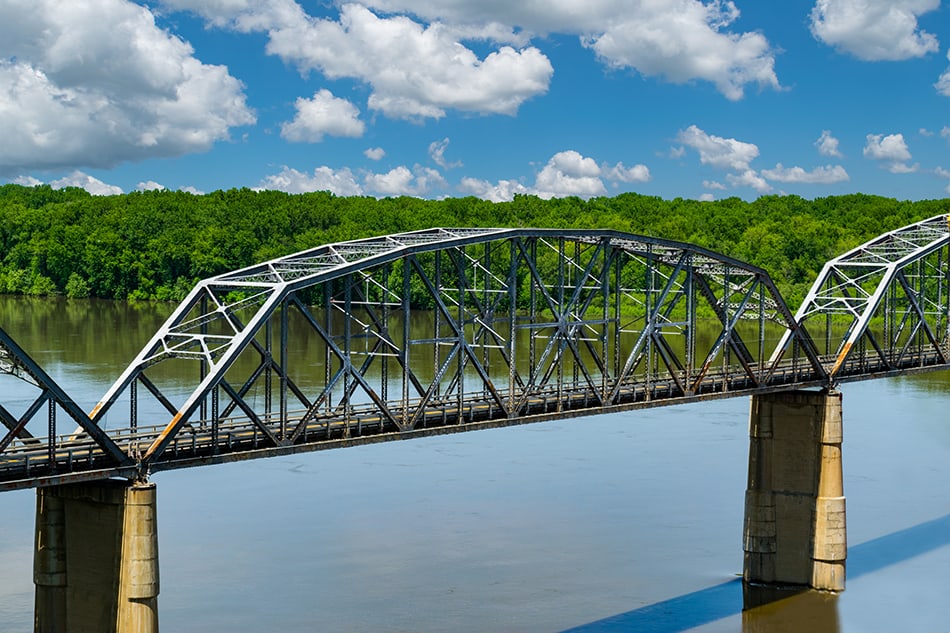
(883, 306)
(446, 327)
(32, 441)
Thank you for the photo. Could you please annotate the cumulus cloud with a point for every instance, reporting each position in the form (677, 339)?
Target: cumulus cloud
(502, 191)
(943, 83)
(323, 114)
(875, 30)
(149, 185)
(713, 184)
(400, 181)
(683, 40)
(437, 154)
(891, 151)
(621, 173)
(680, 40)
(827, 144)
(340, 182)
(829, 174)
(93, 185)
(27, 181)
(419, 71)
(374, 153)
(415, 71)
(403, 182)
(567, 173)
(716, 151)
(943, 173)
(749, 178)
(97, 83)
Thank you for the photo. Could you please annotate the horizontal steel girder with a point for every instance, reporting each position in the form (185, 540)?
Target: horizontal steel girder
(450, 329)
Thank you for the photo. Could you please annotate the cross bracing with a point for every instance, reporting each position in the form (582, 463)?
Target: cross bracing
(451, 329)
(884, 302)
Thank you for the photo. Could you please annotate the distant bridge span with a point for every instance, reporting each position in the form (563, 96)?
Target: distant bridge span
(447, 330)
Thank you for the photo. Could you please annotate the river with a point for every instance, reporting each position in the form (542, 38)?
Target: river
(621, 522)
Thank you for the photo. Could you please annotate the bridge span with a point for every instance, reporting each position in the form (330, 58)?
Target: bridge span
(448, 330)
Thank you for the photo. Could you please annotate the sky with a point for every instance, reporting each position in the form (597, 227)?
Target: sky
(449, 98)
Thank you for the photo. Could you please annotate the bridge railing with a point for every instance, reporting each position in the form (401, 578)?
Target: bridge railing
(447, 328)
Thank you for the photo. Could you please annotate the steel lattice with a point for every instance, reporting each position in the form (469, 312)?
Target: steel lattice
(451, 329)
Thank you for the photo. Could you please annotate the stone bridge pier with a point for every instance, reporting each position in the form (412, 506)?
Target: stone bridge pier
(95, 563)
(794, 528)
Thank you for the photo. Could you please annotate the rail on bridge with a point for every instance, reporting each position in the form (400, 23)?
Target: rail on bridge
(452, 329)
(425, 332)
(883, 307)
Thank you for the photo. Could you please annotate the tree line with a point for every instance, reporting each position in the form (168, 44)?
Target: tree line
(155, 245)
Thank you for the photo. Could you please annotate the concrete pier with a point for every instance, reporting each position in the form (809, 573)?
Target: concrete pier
(96, 559)
(794, 529)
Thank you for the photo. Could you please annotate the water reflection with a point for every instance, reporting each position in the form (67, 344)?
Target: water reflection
(789, 611)
(771, 609)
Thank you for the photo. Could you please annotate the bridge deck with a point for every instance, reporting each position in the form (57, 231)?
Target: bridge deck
(27, 464)
(519, 325)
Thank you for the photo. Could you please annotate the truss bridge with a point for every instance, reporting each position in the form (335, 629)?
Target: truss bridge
(448, 330)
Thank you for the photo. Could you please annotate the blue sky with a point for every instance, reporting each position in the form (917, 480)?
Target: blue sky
(436, 98)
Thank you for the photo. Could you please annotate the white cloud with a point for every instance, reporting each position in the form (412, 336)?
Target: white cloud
(707, 197)
(621, 173)
(902, 168)
(245, 16)
(149, 185)
(945, 132)
(827, 144)
(27, 181)
(415, 71)
(374, 153)
(400, 181)
(569, 174)
(826, 175)
(683, 40)
(437, 154)
(875, 30)
(93, 185)
(97, 83)
(712, 184)
(323, 114)
(340, 182)
(724, 153)
(680, 40)
(502, 191)
(749, 178)
(891, 151)
(191, 190)
(943, 83)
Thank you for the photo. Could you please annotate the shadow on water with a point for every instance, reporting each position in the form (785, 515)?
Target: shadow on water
(814, 611)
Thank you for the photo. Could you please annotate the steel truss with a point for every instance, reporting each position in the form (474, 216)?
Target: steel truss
(883, 306)
(441, 328)
(450, 329)
(97, 452)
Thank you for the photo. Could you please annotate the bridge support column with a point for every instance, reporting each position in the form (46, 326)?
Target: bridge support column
(794, 532)
(96, 559)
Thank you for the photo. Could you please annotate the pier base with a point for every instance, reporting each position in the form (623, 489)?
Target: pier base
(96, 559)
(794, 532)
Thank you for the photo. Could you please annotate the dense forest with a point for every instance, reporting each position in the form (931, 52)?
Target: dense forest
(154, 245)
